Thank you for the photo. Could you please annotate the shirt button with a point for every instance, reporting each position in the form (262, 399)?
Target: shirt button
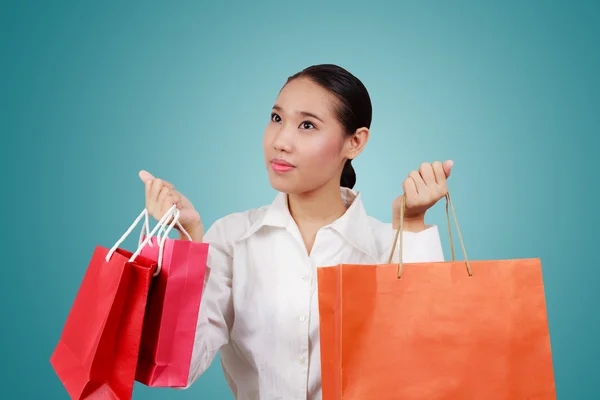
(302, 360)
(302, 318)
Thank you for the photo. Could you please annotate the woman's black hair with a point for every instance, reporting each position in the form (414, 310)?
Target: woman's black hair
(354, 108)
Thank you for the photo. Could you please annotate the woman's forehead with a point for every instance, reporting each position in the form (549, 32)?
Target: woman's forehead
(303, 95)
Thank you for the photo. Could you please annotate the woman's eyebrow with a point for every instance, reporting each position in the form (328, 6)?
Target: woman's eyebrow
(303, 113)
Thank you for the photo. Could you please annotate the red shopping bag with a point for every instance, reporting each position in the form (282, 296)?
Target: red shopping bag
(97, 353)
(466, 330)
(172, 314)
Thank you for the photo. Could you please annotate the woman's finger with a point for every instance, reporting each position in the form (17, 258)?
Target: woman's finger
(410, 188)
(419, 182)
(175, 198)
(145, 176)
(426, 172)
(440, 175)
(163, 201)
(148, 188)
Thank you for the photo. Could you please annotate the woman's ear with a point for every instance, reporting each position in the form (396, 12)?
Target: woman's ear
(356, 143)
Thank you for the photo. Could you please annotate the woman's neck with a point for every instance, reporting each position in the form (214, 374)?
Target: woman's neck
(322, 206)
(312, 211)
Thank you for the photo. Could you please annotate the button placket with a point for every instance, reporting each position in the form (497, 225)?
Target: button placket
(303, 326)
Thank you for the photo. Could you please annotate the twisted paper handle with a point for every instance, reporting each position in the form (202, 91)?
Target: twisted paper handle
(400, 228)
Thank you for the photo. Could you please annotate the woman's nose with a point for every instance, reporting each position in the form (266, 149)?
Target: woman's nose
(284, 140)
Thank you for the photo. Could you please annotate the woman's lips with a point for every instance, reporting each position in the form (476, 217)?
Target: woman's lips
(279, 165)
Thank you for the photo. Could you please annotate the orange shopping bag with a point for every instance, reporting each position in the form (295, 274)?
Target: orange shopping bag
(468, 330)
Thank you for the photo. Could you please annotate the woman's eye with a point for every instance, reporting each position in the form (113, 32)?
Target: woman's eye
(307, 125)
(275, 117)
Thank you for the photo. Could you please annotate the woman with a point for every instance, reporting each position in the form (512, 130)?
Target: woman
(260, 305)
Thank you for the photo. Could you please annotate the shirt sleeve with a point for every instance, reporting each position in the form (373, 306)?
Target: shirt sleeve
(216, 314)
(423, 246)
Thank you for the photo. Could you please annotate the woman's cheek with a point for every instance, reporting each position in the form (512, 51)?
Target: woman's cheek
(325, 153)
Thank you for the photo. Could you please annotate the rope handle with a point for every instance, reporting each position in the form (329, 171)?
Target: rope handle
(173, 212)
(162, 231)
(398, 236)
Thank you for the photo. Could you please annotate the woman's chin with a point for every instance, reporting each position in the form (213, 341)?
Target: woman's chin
(289, 185)
(281, 185)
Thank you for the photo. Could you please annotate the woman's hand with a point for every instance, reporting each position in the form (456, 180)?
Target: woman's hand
(160, 197)
(423, 188)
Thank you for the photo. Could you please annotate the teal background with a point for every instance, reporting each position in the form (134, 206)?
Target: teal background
(91, 93)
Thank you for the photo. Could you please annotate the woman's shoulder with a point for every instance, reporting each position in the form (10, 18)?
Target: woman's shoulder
(377, 224)
(379, 227)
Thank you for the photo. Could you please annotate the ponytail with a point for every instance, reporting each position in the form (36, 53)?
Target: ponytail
(348, 178)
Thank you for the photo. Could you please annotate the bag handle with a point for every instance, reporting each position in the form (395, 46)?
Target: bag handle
(162, 232)
(400, 228)
(161, 243)
(173, 212)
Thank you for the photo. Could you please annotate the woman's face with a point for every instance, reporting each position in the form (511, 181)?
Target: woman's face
(305, 145)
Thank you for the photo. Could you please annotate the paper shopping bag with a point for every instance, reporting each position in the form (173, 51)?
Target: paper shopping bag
(466, 330)
(172, 314)
(97, 353)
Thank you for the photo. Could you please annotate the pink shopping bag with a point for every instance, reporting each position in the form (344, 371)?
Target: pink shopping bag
(171, 317)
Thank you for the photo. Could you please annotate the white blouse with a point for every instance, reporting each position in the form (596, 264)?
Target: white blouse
(260, 303)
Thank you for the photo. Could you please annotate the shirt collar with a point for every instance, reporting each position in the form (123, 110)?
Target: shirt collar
(354, 226)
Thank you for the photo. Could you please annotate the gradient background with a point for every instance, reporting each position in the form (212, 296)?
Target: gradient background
(92, 93)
